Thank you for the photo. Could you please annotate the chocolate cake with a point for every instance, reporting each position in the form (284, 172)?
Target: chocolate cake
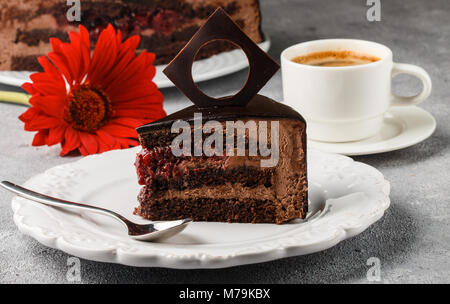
(165, 26)
(233, 186)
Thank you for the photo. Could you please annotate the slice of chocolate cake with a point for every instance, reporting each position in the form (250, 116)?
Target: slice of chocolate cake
(225, 187)
(234, 159)
(165, 26)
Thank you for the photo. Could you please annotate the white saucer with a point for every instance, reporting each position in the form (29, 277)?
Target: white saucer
(222, 64)
(403, 127)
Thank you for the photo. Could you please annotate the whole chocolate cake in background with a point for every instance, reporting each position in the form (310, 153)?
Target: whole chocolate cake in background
(227, 187)
(165, 26)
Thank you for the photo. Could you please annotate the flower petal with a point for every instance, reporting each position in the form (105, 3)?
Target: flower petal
(56, 135)
(151, 113)
(29, 114)
(52, 73)
(82, 53)
(41, 122)
(130, 44)
(135, 92)
(151, 100)
(73, 60)
(89, 142)
(120, 130)
(40, 138)
(83, 150)
(104, 56)
(127, 122)
(27, 86)
(71, 141)
(49, 88)
(127, 142)
(50, 105)
(130, 74)
(59, 60)
(107, 139)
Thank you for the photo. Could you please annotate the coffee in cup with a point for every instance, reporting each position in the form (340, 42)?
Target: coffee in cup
(335, 58)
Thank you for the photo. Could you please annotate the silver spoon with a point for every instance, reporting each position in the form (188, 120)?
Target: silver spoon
(149, 232)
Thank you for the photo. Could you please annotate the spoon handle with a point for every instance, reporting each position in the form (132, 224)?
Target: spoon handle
(56, 202)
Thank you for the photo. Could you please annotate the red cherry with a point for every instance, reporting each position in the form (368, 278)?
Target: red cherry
(141, 19)
(164, 21)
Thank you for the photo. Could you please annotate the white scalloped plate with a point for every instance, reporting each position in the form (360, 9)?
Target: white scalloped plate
(215, 66)
(346, 197)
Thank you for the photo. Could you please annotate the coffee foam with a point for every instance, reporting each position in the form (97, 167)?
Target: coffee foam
(335, 58)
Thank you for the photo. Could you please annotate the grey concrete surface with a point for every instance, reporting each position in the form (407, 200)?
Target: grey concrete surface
(412, 240)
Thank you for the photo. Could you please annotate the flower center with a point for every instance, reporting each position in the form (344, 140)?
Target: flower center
(88, 108)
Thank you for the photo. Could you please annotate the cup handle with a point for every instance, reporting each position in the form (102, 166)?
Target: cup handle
(404, 68)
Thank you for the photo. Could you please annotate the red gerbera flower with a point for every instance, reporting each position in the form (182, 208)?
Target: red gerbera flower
(92, 103)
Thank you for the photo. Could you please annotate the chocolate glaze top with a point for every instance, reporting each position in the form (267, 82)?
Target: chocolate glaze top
(258, 107)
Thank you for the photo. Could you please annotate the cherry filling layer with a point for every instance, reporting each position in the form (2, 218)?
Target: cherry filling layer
(128, 21)
(160, 163)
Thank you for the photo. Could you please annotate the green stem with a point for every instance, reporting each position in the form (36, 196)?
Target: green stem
(15, 97)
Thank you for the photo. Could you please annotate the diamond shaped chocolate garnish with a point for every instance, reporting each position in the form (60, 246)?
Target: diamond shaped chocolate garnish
(220, 26)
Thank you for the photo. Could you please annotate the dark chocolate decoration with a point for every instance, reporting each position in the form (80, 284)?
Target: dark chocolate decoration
(220, 26)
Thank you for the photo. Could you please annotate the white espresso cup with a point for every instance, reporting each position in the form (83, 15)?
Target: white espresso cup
(345, 103)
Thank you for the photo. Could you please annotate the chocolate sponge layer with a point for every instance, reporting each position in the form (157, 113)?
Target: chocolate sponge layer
(222, 210)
